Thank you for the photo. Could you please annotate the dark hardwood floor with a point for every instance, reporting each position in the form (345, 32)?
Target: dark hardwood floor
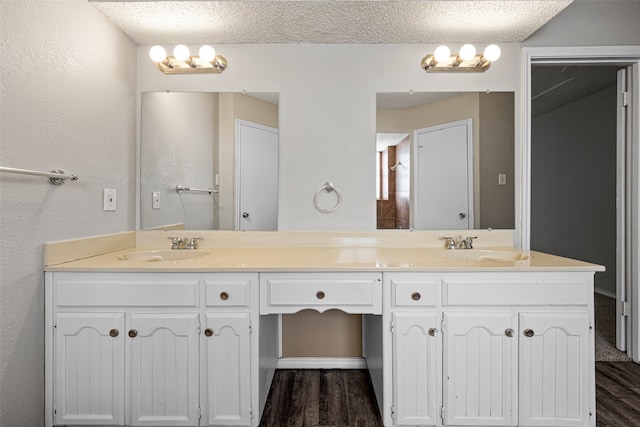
(617, 394)
(337, 397)
(345, 398)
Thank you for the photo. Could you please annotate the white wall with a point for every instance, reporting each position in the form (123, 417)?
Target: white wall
(68, 102)
(573, 183)
(327, 112)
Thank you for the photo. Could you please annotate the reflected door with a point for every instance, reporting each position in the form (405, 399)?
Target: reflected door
(257, 176)
(443, 181)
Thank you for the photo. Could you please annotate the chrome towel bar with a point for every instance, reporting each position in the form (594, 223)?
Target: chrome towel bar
(180, 189)
(56, 176)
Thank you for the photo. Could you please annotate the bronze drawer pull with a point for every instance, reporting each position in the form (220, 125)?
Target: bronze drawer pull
(320, 295)
(416, 296)
(224, 296)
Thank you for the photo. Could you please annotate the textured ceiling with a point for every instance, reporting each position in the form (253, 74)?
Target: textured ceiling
(338, 22)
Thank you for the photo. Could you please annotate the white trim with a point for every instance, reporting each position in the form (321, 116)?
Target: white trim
(321, 363)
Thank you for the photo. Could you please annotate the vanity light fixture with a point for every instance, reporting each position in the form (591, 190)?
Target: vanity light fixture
(466, 61)
(182, 62)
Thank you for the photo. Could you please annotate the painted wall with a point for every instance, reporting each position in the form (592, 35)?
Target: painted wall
(68, 102)
(573, 183)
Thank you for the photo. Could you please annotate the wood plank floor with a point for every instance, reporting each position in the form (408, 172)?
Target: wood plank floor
(617, 394)
(310, 397)
(345, 398)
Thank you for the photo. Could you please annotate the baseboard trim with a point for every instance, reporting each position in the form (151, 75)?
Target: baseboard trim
(321, 363)
(604, 293)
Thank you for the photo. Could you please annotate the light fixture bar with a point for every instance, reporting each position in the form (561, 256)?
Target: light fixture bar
(193, 65)
(467, 61)
(477, 65)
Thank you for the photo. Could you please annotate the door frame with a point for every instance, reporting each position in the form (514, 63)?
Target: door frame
(416, 175)
(628, 56)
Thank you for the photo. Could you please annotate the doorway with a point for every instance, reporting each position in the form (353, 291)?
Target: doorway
(582, 164)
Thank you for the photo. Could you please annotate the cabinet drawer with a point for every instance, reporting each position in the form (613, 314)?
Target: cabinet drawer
(127, 292)
(228, 293)
(351, 293)
(414, 292)
(550, 290)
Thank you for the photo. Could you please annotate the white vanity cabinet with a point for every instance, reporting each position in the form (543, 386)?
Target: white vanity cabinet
(155, 349)
(504, 349)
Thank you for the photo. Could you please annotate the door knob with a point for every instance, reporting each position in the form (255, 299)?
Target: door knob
(245, 214)
(462, 215)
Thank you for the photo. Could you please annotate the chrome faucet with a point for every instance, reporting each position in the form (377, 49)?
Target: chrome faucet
(458, 242)
(184, 243)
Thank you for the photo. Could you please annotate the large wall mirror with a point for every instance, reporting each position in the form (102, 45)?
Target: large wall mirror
(445, 160)
(208, 161)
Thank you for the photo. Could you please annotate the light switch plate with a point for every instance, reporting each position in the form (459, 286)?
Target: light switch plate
(502, 179)
(155, 201)
(109, 199)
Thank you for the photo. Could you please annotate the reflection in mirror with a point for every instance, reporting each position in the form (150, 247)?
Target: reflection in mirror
(445, 160)
(194, 140)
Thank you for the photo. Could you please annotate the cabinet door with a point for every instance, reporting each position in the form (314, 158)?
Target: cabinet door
(416, 368)
(163, 356)
(89, 368)
(555, 369)
(227, 355)
(480, 358)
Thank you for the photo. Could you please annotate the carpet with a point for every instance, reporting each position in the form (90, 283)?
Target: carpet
(605, 325)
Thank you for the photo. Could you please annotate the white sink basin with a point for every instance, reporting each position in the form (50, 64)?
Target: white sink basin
(162, 255)
(484, 255)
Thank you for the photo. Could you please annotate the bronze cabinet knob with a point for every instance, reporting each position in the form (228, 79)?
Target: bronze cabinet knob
(133, 333)
(224, 296)
(320, 295)
(208, 332)
(416, 296)
(433, 332)
(509, 332)
(113, 333)
(529, 333)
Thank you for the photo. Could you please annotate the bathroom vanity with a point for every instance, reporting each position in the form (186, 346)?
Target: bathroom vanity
(493, 337)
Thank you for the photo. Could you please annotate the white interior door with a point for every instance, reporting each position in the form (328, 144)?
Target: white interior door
(443, 178)
(256, 176)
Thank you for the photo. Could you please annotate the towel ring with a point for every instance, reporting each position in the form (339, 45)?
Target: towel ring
(328, 187)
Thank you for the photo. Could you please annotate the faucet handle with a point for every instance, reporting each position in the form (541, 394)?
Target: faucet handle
(176, 242)
(192, 242)
(468, 242)
(450, 242)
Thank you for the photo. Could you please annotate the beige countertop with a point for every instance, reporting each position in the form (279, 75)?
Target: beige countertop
(318, 259)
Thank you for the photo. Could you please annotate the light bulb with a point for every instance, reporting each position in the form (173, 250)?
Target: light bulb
(181, 52)
(467, 52)
(157, 54)
(492, 53)
(207, 53)
(442, 54)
